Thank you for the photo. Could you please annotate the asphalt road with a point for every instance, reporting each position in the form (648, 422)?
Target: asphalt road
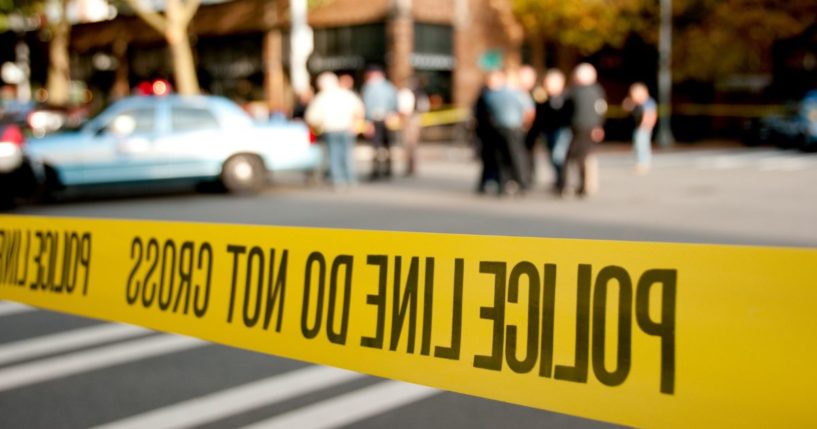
(60, 371)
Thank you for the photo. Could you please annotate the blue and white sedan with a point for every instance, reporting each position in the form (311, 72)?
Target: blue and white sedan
(140, 140)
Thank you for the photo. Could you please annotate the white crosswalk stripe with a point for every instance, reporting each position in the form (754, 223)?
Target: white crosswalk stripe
(51, 357)
(236, 400)
(78, 362)
(64, 341)
(350, 407)
(8, 308)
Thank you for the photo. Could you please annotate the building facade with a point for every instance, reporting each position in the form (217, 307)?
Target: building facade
(242, 47)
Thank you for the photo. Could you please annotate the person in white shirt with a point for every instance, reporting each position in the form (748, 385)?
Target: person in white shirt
(335, 114)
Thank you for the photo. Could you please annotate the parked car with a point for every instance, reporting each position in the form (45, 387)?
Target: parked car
(16, 178)
(40, 119)
(796, 128)
(147, 139)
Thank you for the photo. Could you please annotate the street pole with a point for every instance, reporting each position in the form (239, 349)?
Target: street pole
(18, 24)
(301, 45)
(665, 75)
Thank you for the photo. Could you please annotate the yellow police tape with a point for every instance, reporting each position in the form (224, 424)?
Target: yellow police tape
(644, 334)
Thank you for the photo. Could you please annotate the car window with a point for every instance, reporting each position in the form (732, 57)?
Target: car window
(192, 119)
(139, 120)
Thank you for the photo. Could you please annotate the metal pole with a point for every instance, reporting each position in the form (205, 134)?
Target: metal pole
(301, 45)
(665, 75)
(24, 86)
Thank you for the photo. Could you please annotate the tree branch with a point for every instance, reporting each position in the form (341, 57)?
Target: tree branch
(153, 19)
(190, 8)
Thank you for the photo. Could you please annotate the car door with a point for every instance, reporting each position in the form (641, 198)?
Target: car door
(193, 147)
(121, 149)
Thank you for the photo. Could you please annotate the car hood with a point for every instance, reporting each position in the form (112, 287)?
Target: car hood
(62, 139)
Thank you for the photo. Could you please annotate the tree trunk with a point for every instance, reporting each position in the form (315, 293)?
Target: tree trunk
(59, 66)
(537, 51)
(184, 68)
(121, 83)
(274, 80)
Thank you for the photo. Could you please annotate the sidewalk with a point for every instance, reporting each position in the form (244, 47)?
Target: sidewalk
(452, 151)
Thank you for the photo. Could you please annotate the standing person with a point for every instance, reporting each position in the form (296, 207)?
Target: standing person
(643, 109)
(347, 81)
(302, 101)
(412, 101)
(512, 111)
(380, 101)
(335, 112)
(553, 118)
(526, 77)
(588, 106)
(486, 133)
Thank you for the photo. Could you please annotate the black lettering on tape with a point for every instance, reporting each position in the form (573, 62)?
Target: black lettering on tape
(407, 303)
(200, 309)
(276, 294)
(38, 254)
(21, 280)
(168, 248)
(428, 307)
(236, 251)
(185, 275)
(152, 249)
(76, 246)
(378, 300)
(452, 351)
(578, 371)
(337, 334)
(665, 328)
(625, 323)
(526, 364)
(251, 317)
(132, 287)
(85, 259)
(314, 258)
(496, 314)
(548, 315)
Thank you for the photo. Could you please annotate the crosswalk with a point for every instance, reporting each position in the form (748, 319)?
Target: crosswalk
(45, 362)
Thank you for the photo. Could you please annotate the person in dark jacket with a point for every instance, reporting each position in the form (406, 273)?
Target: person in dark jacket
(512, 111)
(553, 118)
(486, 134)
(588, 105)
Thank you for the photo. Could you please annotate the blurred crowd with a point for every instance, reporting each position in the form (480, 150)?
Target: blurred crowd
(338, 114)
(515, 111)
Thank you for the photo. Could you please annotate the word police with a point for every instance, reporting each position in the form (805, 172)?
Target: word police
(45, 260)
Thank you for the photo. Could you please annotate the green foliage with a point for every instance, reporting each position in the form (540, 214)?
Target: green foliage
(711, 38)
(586, 25)
(25, 8)
(716, 38)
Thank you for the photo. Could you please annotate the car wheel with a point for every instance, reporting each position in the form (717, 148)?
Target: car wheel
(243, 174)
(7, 200)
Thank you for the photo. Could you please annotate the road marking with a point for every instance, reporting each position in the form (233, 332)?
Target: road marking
(40, 346)
(7, 308)
(74, 363)
(349, 408)
(236, 400)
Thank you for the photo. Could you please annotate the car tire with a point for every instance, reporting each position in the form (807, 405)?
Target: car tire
(7, 200)
(243, 174)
